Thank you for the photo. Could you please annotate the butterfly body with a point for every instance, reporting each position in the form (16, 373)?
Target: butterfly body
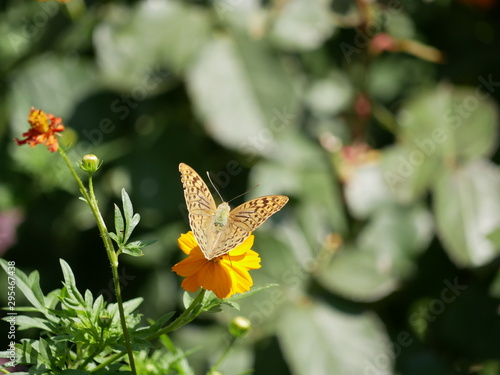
(218, 229)
(221, 216)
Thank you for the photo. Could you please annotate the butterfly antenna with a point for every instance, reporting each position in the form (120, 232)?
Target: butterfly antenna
(215, 187)
(249, 190)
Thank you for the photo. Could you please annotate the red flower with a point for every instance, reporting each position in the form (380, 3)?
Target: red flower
(44, 127)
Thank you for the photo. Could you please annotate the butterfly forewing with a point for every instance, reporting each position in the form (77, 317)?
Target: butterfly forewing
(215, 235)
(199, 200)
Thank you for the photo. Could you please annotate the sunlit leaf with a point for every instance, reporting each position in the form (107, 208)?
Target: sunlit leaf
(319, 339)
(466, 205)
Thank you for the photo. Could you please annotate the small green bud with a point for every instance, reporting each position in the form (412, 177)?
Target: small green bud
(239, 326)
(104, 321)
(90, 163)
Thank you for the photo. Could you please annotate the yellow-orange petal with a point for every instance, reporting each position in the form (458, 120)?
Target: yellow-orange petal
(187, 242)
(214, 277)
(190, 265)
(224, 275)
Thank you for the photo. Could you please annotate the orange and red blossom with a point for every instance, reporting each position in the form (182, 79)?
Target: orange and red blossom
(43, 130)
(225, 275)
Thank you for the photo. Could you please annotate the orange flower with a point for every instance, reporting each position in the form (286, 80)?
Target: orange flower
(44, 127)
(225, 275)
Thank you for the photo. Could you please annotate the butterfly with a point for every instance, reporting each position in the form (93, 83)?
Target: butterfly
(218, 229)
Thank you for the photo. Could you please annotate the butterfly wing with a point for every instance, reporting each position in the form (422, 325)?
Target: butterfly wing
(222, 240)
(200, 204)
(243, 220)
(250, 215)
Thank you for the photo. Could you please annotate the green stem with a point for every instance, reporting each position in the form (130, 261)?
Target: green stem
(108, 361)
(113, 258)
(183, 319)
(222, 357)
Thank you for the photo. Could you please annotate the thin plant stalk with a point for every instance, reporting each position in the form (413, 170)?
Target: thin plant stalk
(108, 245)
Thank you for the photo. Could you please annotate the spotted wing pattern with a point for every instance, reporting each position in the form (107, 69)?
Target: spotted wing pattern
(200, 204)
(216, 241)
(243, 220)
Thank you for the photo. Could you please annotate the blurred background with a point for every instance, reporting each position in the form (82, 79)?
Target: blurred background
(378, 119)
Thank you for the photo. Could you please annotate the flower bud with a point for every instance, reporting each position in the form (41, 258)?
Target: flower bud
(239, 326)
(104, 321)
(90, 163)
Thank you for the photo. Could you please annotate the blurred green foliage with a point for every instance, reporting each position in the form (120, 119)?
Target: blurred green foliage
(379, 120)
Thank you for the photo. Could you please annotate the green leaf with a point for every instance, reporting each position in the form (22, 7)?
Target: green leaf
(494, 237)
(451, 123)
(408, 172)
(187, 299)
(257, 93)
(118, 239)
(302, 25)
(70, 283)
(466, 205)
(130, 305)
(133, 251)
(119, 226)
(26, 322)
(318, 339)
(375, 265)
(251, 292)
(128, 213)
(155, 326)
(134, 248)
(166, 33)
(27, 287)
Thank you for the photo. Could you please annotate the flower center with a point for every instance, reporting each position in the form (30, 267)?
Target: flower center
(39, 121)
